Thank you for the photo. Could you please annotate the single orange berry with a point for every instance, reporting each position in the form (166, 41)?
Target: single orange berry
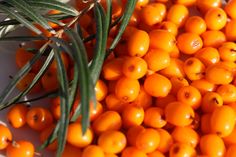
(185, 2)
(203, 86)
(208, 55)
(5, 137)
(177, 83)
(133, 152)
(20, 149)
(143, 100)
(100, 90)
(213, 38)
(231, 138)
(168, 26)
(230, 8)
(132, 134)
(230, 33)
(132, 115)
(228, 93)
(93, 151)
(195, 24)
(113, 103)
(205, 5)
(178, 14)
(154, 117)
(112, 70)
(210, 101)
(163, 101)
(227, 51)
(181, 149)
(166, 141)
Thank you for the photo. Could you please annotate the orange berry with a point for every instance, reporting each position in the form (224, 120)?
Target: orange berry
(93, 151)
(213, 38)
(76, 137)
(205, 5)
(166, 40)
(112, 141)
(157, 59)
(140, 3)
(168, 26)
(134, 19)
(5, 137)
(185, 135)
(65, 60)
(148, 140)
(39, 118)
(194, 68)
(230, 8)
(212, 145)
(230, 33)
(227, 51)
(166, 140)
(175, 52)
(154, 117)
(175, 69)
(203, 86)
(178, 14)
(16, 116)
(44, 135)
(189, 43)
(113, 103)
(50, 81)
(189, 95)
(195, 24)
(143, 100)
(205, 123)
(20, 149)
(110, 155)
(179, 114)
(109, 120)
(95, 111)
(210, 101)
(177, 83)
(112, 70)
(156, 153)
(153, 13)
(231, 138)
(228, 93)
(185, 2)
(134, 67)
(163, 88)
(71, 151)
(215, 18)
(208, 55)
(127, 89)
(223, 121)
(163, 101)
(133, 152)
(138, 43)
(132, 134)
(132, 116)
(100, 90)
(182, 149)
(231, 151)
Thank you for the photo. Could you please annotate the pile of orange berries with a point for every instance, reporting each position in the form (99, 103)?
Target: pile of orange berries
(168, 89)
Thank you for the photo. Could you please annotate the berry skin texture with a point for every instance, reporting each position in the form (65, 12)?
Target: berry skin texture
(20, 149)
(16, 116)
(231, 151)
(210, 101)
(212, 38)
(132, 134)
(92, 151)
(5, 137)
(133, 152)
(182, 149)
(163, 88)
(175, 69)
(156, 154)
(227, 92)
(195, 24)
(230, 8)
(205, 5)
(100, 90)
(154, 117)
(132, 115)
(166, 141)
(230, 33)
(227, 51)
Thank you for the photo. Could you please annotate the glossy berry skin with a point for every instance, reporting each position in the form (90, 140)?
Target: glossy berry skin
(230, 8)
(213, 38)
(112, 69)
(182, 149)
(20, 149)
(132, 115)
(156, 154)
(132, 134)
(210, 101)
(100, 90)
(230, 33)
(231, 151)
(195, 24)
(16, 116)
(227, 51)
(177, 83)
(166, 141)
(5, 137)
(168, 26)
(175, 69)
(205, 5)
(228, 93)
(154, 117)
(93, 151)
(208, 56)
(133, 152)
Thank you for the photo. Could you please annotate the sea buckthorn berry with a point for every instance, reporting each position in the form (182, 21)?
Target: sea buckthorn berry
(143, 100)
(196, 121)
(166, 40)
(129, 30)
(16, 116)
(26, 81)
(231, 151)
(210, 101)
(185, 2)
(110, 155)
(39, 118)
(140, 3)
(212, 145)
(189, 43)
(112, 141)
(109, 120)
(194, 69)
(71, 151)
(182, 149)
(208, 55)
(195, 24)
(44, 135)
(134, 67)
(163, 101)
(227, 51)
(185, 135)
(205, 5)
(231, 138)
(113, 103)
(132, 115)
(65, 60)
(230, 33)
(175, 52)
(168, 26)
(148, 140)
(227, 92)
(179, 114)
(223, 121)
(230, 8)
(166, 140)
(157, 59)
(20, 149)
(205, 123)
(127, 89)
(100, 90)
(112, 70)
(163, 88)
(204, 86)
(178, 14)
(156, 153)
(154, 117)
(76, 137)
(95, 111)
(175, 69)
(189, 95)
(152, 13)
(177, 83)
(134, 19)
(219, 74)
(132, 134)
(138, 43)
(213, 38)
(215, 18)
(133, 152)
(49, 81)
(93, 151)
(5, 137)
